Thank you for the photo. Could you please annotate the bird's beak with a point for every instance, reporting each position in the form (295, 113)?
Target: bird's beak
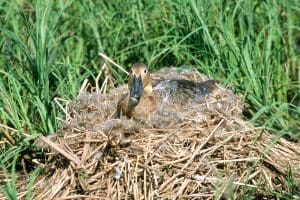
(137, 88)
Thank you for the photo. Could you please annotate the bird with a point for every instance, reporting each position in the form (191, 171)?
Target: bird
(144, 97)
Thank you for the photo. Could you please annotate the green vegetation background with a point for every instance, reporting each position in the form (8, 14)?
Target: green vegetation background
(49, 47)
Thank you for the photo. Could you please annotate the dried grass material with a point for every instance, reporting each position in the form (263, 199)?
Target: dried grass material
(194, 152)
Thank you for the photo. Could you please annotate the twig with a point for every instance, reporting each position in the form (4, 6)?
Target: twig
(56, 100)
(51, 144)
(205, 179)
(235, 160)
(111, 61)
(83, 86)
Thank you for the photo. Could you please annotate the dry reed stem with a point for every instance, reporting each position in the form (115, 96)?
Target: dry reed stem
(112, 62)
(68, 155)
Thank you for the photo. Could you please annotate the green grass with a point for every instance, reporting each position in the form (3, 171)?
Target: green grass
(10, 189)
(49, 47)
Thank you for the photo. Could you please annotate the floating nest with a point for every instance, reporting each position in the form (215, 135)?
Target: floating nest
(203, 152)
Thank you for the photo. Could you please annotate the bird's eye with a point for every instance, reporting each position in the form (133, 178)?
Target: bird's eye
(145, 71)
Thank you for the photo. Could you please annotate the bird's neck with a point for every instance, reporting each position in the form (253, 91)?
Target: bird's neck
(147, 90)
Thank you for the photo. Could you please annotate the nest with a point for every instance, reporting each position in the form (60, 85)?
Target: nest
(202, 152)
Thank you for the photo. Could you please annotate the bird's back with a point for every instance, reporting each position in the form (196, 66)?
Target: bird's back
(181, 91)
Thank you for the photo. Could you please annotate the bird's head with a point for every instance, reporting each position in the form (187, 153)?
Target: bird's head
(139, 82)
